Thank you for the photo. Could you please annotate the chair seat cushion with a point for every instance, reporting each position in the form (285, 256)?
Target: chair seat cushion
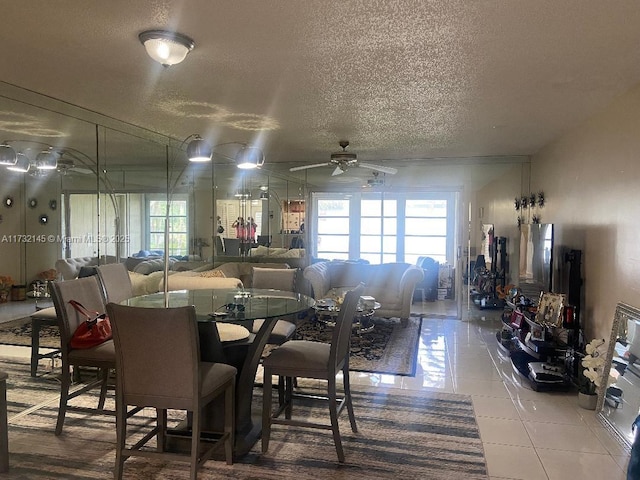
(48, 313)
(214, 375)
(300, 358)
(99, 355)
(282, 331)
(230, 332)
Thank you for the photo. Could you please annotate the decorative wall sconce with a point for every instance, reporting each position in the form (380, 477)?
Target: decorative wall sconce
(532, 200)
(541, 199)
(44, 219)
(517, 203)
(53, 204)
(535, 219)
(8, 202)
(33, 203)
(524, 202)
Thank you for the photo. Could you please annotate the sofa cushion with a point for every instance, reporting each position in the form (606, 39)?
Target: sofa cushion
(213, 274)
(348, 274)
(153, 265)
(275, 278)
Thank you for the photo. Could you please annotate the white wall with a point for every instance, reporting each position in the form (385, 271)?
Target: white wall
(591, 179)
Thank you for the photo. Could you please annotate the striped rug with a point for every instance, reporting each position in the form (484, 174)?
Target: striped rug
(401, 435)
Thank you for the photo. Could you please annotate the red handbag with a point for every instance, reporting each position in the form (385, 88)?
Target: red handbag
(96, 329)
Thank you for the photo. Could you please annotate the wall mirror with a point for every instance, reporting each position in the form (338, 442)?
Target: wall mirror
(535, 258)
(619, 403)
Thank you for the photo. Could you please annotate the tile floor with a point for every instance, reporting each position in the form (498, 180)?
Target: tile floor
(526, 434)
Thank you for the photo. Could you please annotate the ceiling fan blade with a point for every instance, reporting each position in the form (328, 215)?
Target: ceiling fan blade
(304, 167)
(379, 168)
(337, 171)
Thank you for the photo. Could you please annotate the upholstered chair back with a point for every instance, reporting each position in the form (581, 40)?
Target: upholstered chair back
(115, 281)
(85, 290)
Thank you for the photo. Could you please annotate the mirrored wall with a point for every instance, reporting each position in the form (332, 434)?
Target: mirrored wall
(107, 191)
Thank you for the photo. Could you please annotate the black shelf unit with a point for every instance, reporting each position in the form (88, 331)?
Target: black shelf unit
(515, 340)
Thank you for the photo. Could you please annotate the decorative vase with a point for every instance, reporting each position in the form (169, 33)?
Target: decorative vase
(587, 401)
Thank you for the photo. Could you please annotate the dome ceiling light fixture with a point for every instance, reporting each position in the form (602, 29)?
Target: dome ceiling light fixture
(47, 160)
(199, 150)
(22, 164)
(166, 48)
(249, 157)
(8, 155)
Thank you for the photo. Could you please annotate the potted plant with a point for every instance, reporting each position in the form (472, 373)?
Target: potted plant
(590, 378)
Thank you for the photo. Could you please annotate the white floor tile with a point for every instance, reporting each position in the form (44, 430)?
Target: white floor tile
(552, 410)
(503, 432)
(568, 438)
(521, 463)
(472, 386)
(561, 465)
(495, 407)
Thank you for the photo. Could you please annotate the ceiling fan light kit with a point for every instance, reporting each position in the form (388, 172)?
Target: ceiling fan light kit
(166, 48)
(343, 160)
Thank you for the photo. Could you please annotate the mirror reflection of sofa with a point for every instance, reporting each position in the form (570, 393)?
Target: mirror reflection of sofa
(391, 284)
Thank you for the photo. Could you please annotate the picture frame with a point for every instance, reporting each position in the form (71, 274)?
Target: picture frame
(550, 308)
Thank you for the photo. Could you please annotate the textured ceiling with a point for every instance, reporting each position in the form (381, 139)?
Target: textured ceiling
(400, 79)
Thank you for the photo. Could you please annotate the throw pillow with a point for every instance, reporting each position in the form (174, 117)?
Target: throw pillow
(213, 274)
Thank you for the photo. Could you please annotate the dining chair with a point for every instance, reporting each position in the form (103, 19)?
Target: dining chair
(115, 281)
(158, 365)
(317, 360)
(277, 279)
(88, 292)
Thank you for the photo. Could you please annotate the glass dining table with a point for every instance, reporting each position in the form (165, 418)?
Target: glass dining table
(242, 307)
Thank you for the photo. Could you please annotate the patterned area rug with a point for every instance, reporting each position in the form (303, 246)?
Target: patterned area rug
(400, 436)
(387, 348)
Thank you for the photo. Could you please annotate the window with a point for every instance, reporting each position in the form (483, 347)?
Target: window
(332, 239)
(389, 227)
(177, 222)
(379, 230)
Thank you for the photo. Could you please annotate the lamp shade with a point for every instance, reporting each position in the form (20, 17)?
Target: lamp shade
(198, 150)
(166, 48)
(249, 157)
(47, 160)
(7, 155)
(22, 164)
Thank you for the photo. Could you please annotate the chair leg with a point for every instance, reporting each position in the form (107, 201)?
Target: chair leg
(104, 373)
(288, 397)
(121, 434)
(195, 444)
(266, 410)
(333, 412)
(229, 422)
(35, 345)
(64, 396)
(161, 416)
(347, 398)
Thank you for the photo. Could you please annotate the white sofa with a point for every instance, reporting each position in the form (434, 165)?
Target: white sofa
(391, 284)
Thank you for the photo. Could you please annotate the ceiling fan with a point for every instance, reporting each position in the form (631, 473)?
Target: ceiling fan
(66, 165)
(344, 160)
